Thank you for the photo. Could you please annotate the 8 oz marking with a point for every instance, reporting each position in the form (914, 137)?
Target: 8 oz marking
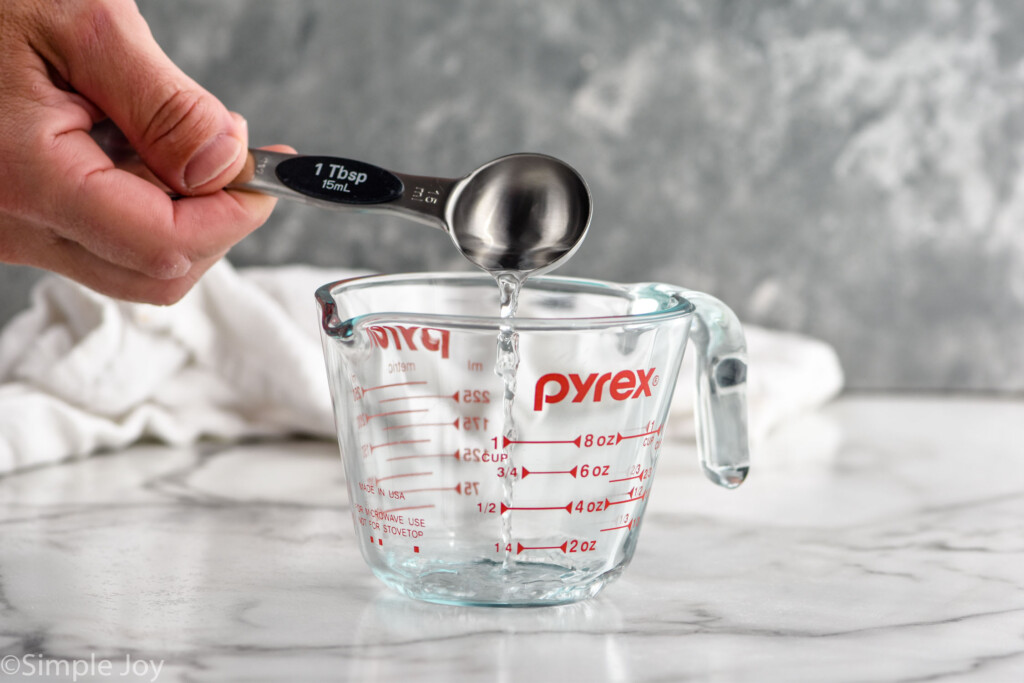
(590, 440)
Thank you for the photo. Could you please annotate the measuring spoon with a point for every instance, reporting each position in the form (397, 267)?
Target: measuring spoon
(522, 213)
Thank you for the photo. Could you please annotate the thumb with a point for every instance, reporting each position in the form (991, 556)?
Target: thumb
(182, 132)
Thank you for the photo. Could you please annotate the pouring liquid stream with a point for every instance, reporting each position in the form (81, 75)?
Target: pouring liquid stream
(506, 367)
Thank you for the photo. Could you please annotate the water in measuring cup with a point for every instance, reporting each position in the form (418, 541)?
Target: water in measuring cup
(473, 529)
(506, 366)
(507, 581)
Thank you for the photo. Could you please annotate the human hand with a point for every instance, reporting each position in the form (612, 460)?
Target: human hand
(64, 206)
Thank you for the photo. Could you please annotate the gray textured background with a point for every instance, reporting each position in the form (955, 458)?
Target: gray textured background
(852, 170)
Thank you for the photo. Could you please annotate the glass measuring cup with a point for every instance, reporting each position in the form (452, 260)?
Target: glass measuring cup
(447, 506)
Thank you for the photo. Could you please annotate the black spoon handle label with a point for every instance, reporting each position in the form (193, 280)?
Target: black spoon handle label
(344, 181)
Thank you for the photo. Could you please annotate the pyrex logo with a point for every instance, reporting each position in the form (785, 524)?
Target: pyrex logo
(554, 387)
(429, 339)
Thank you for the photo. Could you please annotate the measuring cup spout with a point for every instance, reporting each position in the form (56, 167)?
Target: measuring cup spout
(721, 405)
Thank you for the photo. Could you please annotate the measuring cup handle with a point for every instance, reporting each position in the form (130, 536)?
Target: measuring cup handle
(721, 405)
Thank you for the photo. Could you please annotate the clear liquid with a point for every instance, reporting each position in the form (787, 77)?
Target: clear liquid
(506, 366)
(493, 583)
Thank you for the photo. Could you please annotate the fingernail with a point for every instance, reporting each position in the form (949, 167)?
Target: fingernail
(211, 160)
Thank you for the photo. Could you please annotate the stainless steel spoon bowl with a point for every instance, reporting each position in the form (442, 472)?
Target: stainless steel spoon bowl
(523, 213)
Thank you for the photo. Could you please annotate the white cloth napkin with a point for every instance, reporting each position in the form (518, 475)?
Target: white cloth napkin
(240, 357)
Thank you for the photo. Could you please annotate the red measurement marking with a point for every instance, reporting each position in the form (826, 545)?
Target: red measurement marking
(608, 503)
(388, 386)
(567, 508)
(374, 447)
(439, 488)
(527, 472)
(639, 476)
(575, 441)
(520, 547)
(378, 541)
(398, 412)
(423, 424)
(415, 548)
(624, 526)
(411, 507)
(403, 476)
(454, 397)
(619, 438)
(429, 455)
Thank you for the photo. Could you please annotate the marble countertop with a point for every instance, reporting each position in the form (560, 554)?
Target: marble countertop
(877, 540)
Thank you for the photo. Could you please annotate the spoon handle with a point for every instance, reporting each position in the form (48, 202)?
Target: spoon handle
(326, 181)
(337, 183)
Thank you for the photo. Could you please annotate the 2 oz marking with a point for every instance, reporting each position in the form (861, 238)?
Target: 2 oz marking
(573, 546)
